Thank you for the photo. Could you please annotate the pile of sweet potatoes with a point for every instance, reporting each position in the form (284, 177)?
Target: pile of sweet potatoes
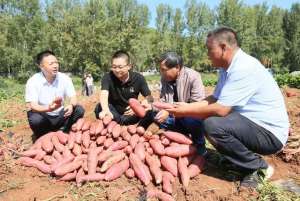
(104, 150)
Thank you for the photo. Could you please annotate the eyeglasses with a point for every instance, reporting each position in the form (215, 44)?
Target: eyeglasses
(114, 67)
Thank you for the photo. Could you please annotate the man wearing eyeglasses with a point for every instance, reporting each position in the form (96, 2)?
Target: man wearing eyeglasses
(117, 87)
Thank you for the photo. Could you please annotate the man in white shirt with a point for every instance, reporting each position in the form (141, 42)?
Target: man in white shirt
(45, 94)
(246, 116)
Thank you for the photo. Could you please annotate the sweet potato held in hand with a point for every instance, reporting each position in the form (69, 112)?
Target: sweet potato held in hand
(136, 107)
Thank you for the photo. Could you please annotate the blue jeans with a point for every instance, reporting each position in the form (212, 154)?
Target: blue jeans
(186, 126)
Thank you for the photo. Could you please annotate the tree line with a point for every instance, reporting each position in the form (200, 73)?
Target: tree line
(84, 33)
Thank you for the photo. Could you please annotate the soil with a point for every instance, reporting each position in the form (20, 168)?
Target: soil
(215, 183)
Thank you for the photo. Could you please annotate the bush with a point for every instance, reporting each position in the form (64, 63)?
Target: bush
(288, 80)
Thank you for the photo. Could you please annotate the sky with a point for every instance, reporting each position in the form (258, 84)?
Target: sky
(211, 3)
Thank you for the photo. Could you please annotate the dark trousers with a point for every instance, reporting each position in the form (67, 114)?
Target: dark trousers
(42, 123)
(126, 119)
(241, 141)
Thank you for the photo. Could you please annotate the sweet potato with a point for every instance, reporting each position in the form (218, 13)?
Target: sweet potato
(116, 131)
(108, 142)
(137, 108)
(111, 161)
(128, 150)
(86, 125)
(69, 176)
(118, 145)
(86, 138)
(129, 173)
(40, 155)
(149, 150)
(183, 171)
(100, 140)
(180, 150)
(58, 146)
(139, 168)
(47, 144)
(157, 147)
(62, 137)
(169, 164)
(79, 124)
(134, 140)
(154, 168)
(80, 174)
(103, 156)
(154, 193)
(67, 168)
(111, 126)
(78, 136)
(162, 105)
(40, 165)
(92, 159)
(167, 179)
(106, 120)
(196, 166)
(31, 152)
(77, 149)
(99, 127)
(71, 140)
(66, 152)
(49, 160)
(153, 128)
(140, 130)
(85, 165)
(93, 128)
(131, 129)
(57, 155)
(126, 136)
(142, 139)
(116, 170)
(139, 150)
(104, 132)
(63, 161)
(178, 137)
(165, 141)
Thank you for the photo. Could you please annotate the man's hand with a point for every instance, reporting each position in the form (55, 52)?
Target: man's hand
(104, 113)
(56, 103)
(68, 110)
(128, 111)
(161, 116)
(178, 110)
(177, 104)
(146, 105)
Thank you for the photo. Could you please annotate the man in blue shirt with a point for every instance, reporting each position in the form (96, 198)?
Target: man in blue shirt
(45, 94)
(246, 116)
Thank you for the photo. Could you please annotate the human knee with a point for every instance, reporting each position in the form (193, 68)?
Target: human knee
(79, 111)
(212, 126)
(97, 110)
(35, 119)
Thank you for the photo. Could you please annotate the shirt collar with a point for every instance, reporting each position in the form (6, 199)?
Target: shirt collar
(44, 80)
(237, 53)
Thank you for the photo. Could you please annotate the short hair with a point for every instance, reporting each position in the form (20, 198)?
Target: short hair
(226, 34)
(171, 59)
(40, 56)
(121, 54)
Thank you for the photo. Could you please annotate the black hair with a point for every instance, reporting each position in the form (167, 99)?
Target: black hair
(226, 34)
(41, 55)
(171, 59)
(121, 54)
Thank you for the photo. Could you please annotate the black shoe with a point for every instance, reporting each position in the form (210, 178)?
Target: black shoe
(250, 180)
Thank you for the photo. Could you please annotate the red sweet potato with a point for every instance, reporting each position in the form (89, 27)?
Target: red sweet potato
(31, 152)
(108, 142)
(111, 161)
(154, 168)
(136, 107)
(69, 176)
(40, 165)
(157, 146)
(92, 159)
(196, 166)
(118, 145)
(47, 144)
(104, 132)
(134, 140)
(93, 128)
(86, 138)
(162, 105)
(139, 168)
(99, 127)
(78, 137)
(183, 171)
(103, 156)
(131, 129)
(139, 150)
(180, 150)
(86, 125)
(178, 137)
(100, 140)
(140, 130)
(58, 146)
(116, 131)
(167, 179)
(92, 177)
(71, 140)
(116, 170)
(111, 126)
(169, 164)
(77, 149)
(62, 137)
(129, 173)
(61, 162)
(67, 168)
(49, 160)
